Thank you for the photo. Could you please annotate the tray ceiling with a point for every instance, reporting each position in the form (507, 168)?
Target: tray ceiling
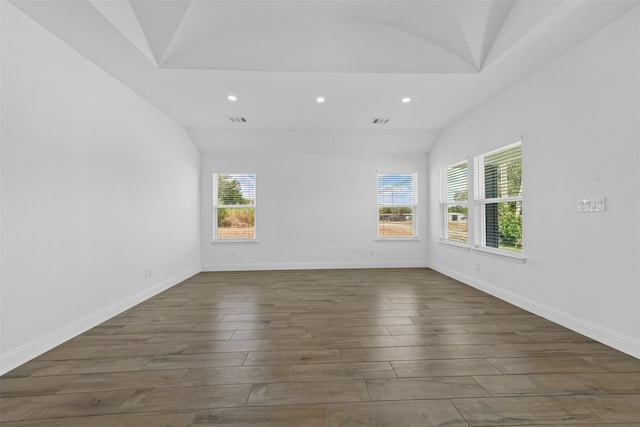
(277, 57)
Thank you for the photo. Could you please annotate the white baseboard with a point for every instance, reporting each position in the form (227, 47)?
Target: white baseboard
(314, 266)
(599, 333)
(35, 348)
(41, 345)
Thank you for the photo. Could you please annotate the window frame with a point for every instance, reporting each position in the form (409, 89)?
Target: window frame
(480, 202)
(413, 206)
(445, 204)
(216, 206)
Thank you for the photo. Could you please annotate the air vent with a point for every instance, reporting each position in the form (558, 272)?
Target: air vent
(238, 119)
(380, 120)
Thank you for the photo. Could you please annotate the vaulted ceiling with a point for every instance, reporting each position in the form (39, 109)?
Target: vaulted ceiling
(277, 57)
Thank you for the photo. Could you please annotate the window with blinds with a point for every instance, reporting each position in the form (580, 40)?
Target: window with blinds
(454, 202)
(234, 196)
(498, 198)
(397, 205)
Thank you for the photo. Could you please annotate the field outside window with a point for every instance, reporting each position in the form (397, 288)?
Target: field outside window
(235, 207)
(454, 199)
(498, 177)
(397, 205)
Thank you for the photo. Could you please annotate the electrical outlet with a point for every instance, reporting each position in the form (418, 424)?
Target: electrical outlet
(477, 266)
(148, 272)
(371, 252)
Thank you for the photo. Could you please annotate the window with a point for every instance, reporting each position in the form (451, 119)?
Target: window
(498, 199)
(235, 206)
(397, 203)
(454, 202)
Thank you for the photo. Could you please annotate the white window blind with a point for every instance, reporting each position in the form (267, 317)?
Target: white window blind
(234, 205)
(454, 202)
(397, 205)
(498, 198)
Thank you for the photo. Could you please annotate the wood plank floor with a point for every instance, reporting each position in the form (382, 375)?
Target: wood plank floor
(389, 347)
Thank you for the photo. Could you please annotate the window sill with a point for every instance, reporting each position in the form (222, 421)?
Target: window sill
(218, 241)
(454, 244)
(515, 257)
(397, 239)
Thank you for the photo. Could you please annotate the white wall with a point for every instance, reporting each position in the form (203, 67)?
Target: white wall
(97, 185)
(313, 210)
(580, 117)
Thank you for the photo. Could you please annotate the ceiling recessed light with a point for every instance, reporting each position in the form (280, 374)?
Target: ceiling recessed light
(320, 99)
(406, 100)
(232, 98)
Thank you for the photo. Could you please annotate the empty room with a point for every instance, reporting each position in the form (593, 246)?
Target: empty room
(320, 213)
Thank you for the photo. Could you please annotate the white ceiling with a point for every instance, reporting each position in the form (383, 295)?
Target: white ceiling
(186, 56)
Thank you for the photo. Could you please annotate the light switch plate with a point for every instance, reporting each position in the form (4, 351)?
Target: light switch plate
(596, 204)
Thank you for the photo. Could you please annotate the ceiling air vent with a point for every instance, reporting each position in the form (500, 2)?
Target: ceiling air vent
(238, 119)
(380, 120)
